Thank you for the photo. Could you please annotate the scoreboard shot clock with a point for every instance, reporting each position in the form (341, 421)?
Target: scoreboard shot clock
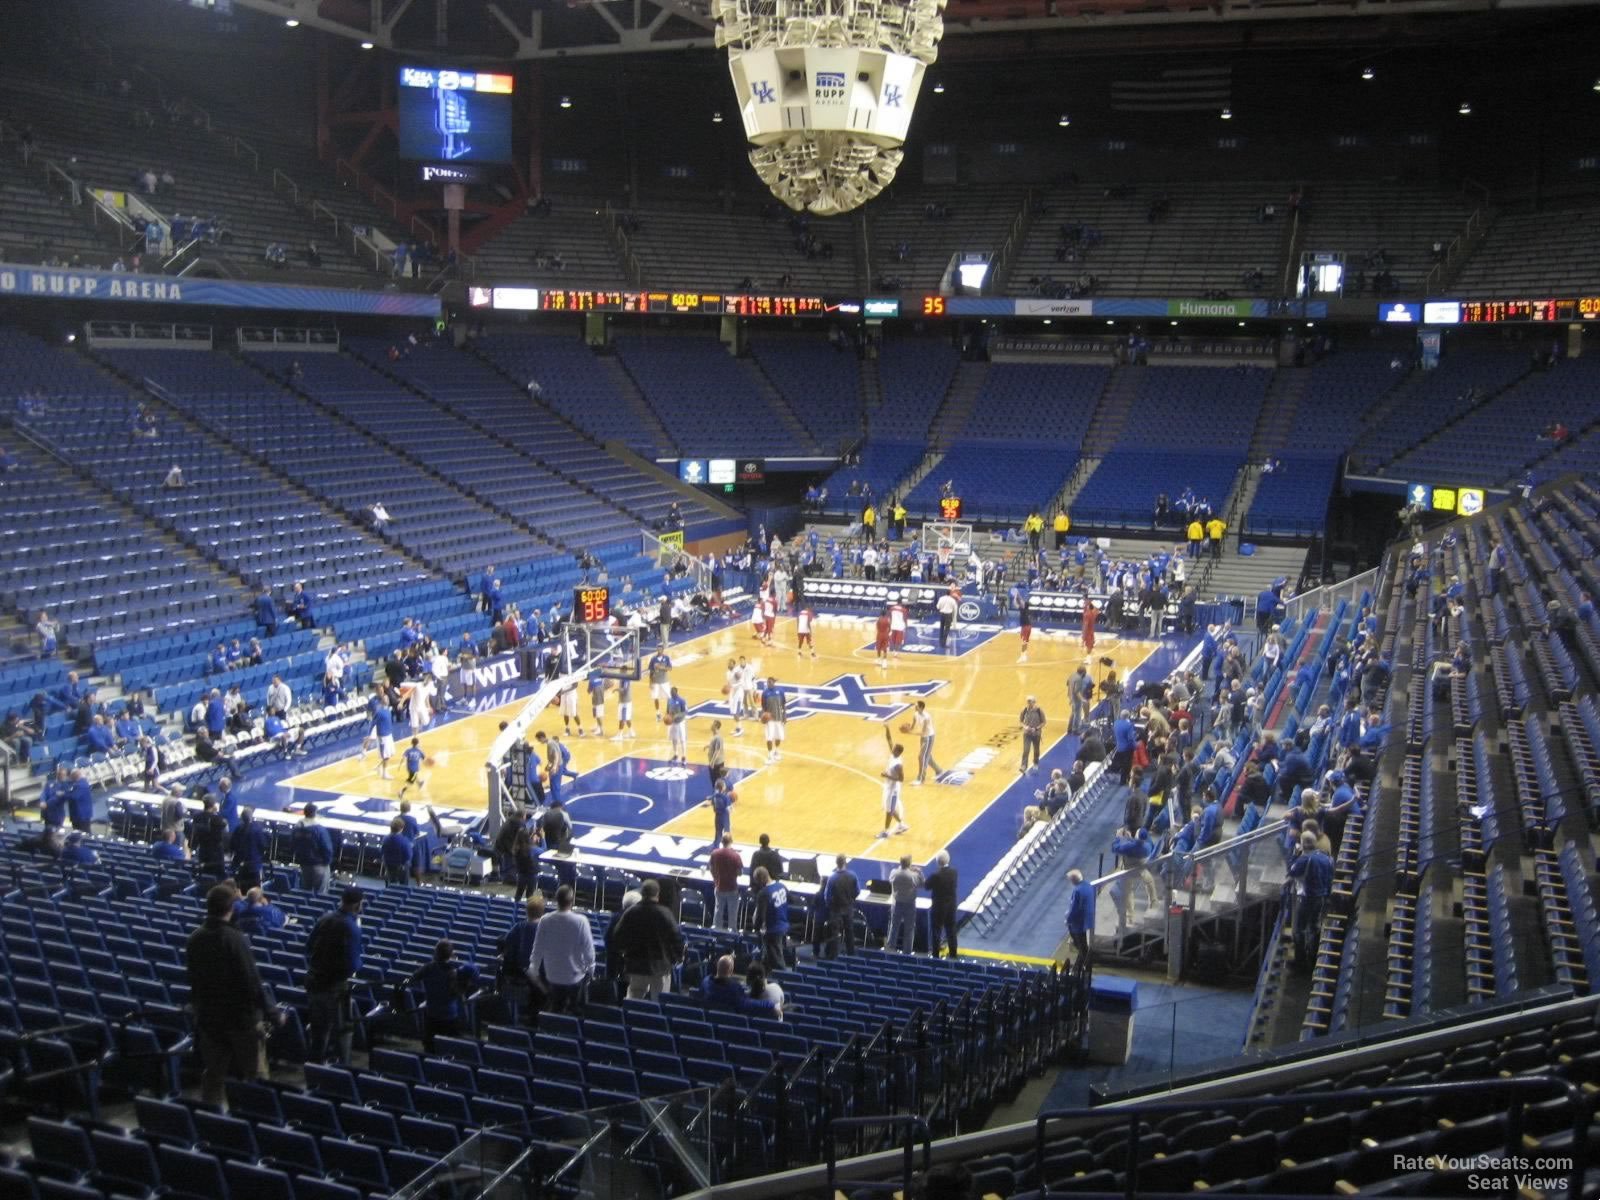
(591, 604)
(950, 508)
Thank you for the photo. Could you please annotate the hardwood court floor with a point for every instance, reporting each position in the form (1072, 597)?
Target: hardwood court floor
(825, 794)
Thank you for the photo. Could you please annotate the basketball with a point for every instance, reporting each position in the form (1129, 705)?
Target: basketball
(726, 690)
(905, 726)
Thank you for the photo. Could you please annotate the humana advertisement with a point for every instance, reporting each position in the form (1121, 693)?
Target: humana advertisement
(1210, 308)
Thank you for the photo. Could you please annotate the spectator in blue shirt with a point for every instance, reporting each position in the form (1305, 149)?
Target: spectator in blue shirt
(410, 827)
(266, 611)
(228, 804)
(46, 629)
(1314, 871)
(300, 607)
(66, 697)
(254, 913)
(1080, 916)
(722, 990)
(216, 714)
(79, 801)
(167, 848)
(772, 917)
(516, 951)
(1124, 739)
(1134, 849)
(722, 802)
(248, 847)
(75, 853)
(397, 852)
(1343, 803)
(1295, 771)
(101, 737)
(445, 986)
(53, 799)
(313, 851)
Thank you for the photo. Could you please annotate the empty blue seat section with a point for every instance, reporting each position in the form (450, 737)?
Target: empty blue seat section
(232, 511)
(1047, 402)
(1430, 399)
(997, 481)
(1492, 443)
(1187, 427)
(345, 467)
(881, 466)
(711, 403)
(1292, 499)
(575, 383)
(1123, 489)
(820, 381)
(915, 374)
(572, 380)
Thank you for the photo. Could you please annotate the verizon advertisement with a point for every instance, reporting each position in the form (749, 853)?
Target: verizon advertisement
(1055, 308)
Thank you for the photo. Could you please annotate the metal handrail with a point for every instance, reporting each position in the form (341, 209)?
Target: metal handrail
(294, 191)
(1135, 1114)
(241, 147)
(912, 1126)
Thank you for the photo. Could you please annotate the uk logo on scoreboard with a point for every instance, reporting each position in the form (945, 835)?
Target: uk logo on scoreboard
(843, 696)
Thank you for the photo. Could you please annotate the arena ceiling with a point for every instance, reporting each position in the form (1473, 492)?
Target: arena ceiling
(974, 29)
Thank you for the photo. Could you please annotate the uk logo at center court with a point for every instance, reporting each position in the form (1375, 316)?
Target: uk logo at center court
(846, 696)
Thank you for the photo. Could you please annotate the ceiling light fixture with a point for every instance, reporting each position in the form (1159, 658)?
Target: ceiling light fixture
(1063, 120)
(1227, 114)
(292, 23)
(566, 102)
(1466, 108)
(1368, 74)
(366, 45)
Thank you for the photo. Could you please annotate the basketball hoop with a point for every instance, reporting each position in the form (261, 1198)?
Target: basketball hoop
(946, 539)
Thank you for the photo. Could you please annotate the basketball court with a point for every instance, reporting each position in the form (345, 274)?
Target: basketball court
(824, 795)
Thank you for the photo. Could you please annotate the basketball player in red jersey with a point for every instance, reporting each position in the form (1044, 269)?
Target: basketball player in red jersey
(803, 632)
(882, 642)
(897, 627)
(1091, 614)
(769, 613)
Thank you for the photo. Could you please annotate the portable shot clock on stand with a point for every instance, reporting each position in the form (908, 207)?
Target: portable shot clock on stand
(591, 604)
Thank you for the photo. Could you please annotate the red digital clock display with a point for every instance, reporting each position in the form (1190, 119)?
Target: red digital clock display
(591, 605)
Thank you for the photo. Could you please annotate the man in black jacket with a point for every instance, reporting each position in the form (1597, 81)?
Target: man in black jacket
(505, 841)
(941, 884)
(767, 857)
(556, 827)
(840, 893)
(650, 942)
(229, 1001)
(208, 839)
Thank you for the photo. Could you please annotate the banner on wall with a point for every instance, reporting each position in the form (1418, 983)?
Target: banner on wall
(48, 283)
(1055, 308)
(1429, 342)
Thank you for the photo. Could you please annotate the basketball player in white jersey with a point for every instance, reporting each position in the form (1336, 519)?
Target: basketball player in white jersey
(624, 709)
(569, 710)
(758, 620)
(894, 777)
